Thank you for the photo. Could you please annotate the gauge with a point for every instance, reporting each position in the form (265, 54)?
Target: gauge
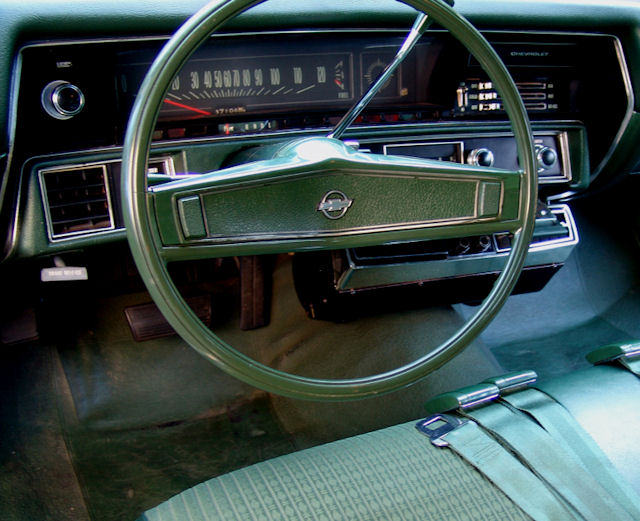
(373, 63)
(208, 86)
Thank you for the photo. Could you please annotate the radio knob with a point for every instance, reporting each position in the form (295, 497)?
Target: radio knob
(480, 157)
(546, 157)
(62, 100)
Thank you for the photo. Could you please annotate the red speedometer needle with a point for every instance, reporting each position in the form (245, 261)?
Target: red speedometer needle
(183, 106)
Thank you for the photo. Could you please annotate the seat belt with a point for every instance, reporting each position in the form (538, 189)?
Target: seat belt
(550, 462)
(497, 464)
(627, 355)
(538, 452)
(561, 426)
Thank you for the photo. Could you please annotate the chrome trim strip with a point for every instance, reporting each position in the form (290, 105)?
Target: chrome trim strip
(12, 118)
(233, 239)
(563, 138)
(236, 34)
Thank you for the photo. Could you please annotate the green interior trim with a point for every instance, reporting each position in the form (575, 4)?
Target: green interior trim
(145, 242)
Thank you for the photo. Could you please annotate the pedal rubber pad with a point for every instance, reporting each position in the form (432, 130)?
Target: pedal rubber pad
(146, 321)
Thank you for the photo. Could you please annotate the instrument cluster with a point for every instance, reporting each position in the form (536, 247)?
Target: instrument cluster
(78, 95)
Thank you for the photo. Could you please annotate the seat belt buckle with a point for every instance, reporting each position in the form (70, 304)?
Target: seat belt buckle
(437, 426)
(615, 352)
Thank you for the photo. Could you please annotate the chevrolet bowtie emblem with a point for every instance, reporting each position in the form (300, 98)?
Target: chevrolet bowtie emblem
(334, 204)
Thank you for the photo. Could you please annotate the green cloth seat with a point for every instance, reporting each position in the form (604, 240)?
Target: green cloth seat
(391, 474)
(396, 473)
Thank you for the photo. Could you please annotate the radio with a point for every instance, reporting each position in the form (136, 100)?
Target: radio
(497, 150)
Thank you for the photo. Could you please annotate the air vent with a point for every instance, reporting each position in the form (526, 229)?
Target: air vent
(77, 200)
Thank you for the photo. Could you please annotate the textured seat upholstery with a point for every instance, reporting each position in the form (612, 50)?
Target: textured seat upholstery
(397, 474)
(391, 474)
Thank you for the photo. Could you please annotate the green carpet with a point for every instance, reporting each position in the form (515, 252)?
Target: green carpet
(37, 479)
(123, 473)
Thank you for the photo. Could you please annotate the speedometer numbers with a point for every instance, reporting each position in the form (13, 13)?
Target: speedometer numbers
(242, 85)
(227, 86)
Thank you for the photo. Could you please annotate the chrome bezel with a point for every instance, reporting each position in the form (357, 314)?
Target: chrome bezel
(50, 100)
(169, 167)
(456, 138)
(47, 204)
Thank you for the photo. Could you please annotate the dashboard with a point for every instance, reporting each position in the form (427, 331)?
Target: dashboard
(71, 98)
(305, 80)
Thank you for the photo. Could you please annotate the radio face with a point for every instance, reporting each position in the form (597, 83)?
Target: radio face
(496, 150)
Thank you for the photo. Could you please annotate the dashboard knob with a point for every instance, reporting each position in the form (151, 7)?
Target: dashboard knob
(546, 157)
(62, 100)
(480, 157)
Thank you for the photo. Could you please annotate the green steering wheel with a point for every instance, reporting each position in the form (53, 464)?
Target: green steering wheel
(222, 213)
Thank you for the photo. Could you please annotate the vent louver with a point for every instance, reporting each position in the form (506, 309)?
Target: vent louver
(78, 200)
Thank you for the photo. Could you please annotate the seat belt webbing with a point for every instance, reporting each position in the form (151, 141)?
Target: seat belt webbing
(565, 430)
(550, 461)
(498, 465)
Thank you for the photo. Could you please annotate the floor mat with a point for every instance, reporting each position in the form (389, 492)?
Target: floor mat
(123, 473)
(143, 422)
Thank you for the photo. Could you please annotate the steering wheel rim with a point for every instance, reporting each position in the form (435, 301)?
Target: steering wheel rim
(145, 242)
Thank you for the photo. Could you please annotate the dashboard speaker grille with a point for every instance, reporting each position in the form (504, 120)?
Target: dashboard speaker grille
(77, 200)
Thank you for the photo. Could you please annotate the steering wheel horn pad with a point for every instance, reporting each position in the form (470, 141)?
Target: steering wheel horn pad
(320, 188)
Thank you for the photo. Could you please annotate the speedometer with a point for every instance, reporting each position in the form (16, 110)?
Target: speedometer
(279, 76)
(209, 86)
(224, 86)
